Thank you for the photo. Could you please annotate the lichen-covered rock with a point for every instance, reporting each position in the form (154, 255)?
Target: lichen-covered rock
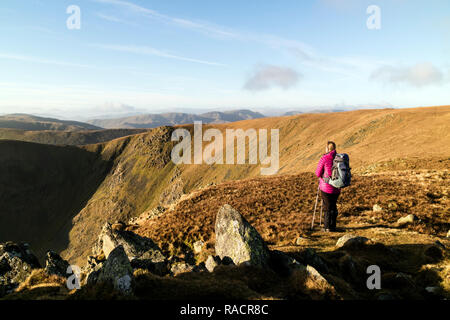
(238, 240)
(117, 270)
(351, 241)
(16, 263)
(181, 267)
(54, 264)
(135, 246)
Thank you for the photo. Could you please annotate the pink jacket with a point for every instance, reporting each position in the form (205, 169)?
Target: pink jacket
(324, 169)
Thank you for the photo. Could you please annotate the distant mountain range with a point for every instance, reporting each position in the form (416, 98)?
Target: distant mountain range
(174, 118)
(34, 123)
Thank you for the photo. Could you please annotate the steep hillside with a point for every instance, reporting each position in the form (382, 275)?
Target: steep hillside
(171, 119)
(30, 122)
(42, 188)
(74, 138)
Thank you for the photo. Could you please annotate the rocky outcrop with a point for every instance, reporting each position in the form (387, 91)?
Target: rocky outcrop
(282, 263)
(350, 241)
(238, 240)
(16, 264)
(117, 271)
(142, 252)
(181, 267)
(54, 264)
(313, 283)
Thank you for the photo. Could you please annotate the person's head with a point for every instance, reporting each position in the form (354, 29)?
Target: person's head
(330, 146)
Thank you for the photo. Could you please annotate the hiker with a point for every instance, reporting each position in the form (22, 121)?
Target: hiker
(329, 193)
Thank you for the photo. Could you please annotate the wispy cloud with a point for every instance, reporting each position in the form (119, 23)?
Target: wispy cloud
(111, 18)
(145, 50)
(419, 75)
(305, 53)
(189, 24)
(268, 76)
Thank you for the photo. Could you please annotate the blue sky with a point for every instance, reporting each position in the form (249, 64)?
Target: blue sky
(179, 55)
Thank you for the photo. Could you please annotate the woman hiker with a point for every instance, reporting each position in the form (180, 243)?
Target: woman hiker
(329, 193)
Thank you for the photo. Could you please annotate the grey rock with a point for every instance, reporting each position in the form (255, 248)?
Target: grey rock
(198, 246)
(315, 283)
(238, 240)
(54, 264)
(351, 241)
(377, 208)
(158, 268)
(16, 263)
(283, 264)
(310, 257)
(409, 219)
(117, 270)
(181, 267)
(212, 262)
(135, 246)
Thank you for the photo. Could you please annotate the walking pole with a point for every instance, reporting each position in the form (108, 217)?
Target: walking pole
(321, 212)
(315, 207)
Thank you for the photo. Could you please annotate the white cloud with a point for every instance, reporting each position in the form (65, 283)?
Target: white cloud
(199, 26)
(419, 75)
(268, 76)
(145, 50)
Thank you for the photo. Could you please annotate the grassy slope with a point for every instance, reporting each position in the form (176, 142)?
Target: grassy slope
(74, 138)
(30, 122)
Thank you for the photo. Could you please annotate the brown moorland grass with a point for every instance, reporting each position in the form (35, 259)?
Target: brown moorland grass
(281, 207)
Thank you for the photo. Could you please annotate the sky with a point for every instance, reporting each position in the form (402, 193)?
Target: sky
(126, 57)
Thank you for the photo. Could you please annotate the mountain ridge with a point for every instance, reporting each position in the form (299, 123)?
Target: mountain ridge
(154, 120)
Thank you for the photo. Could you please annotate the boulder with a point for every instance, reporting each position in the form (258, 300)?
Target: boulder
(117, 271)
(351, 241)
(16, 263)
(377, 208)
(135, 246)
(181, 267)
(198, 246)
(313, 283)
(409, 219)
(238, 240)
(310, 257)
(54, 264)
(283, 264)
(212, 262)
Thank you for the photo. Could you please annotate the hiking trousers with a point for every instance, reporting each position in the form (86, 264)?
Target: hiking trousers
(330, 210)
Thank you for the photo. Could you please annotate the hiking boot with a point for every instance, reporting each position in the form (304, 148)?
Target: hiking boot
(325, 230)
